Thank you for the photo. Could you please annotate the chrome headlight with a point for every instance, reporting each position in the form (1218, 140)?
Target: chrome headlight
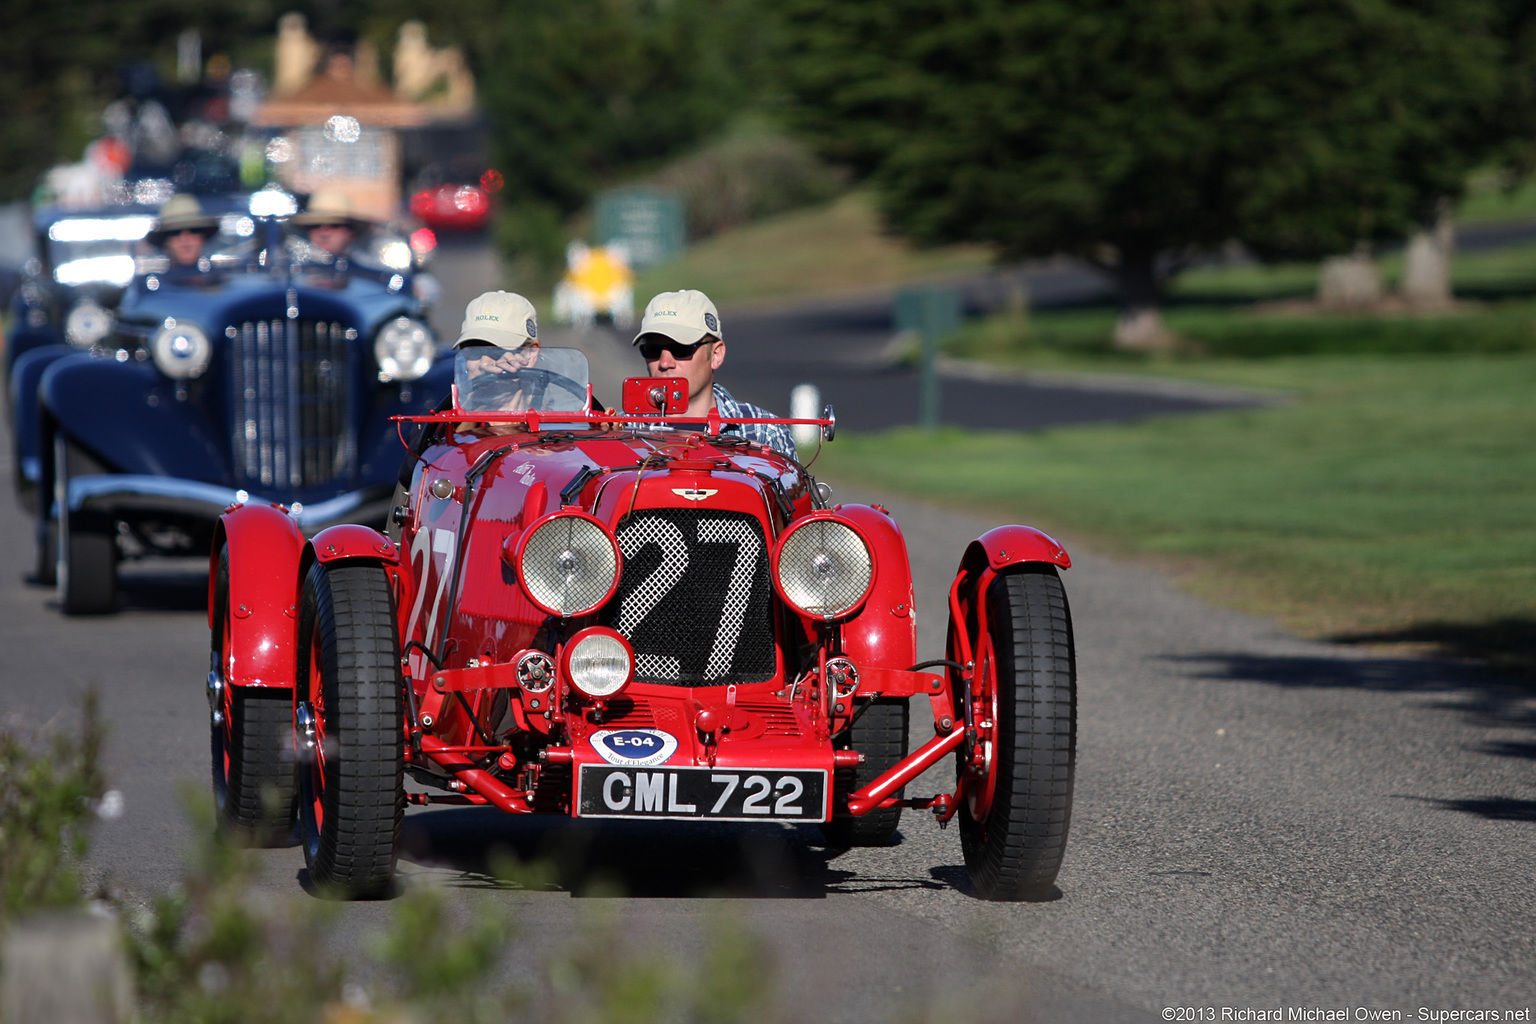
(598, 662)
(181, 349)
(87, 324)
(823, 568)
(568, 564)
(404, 349)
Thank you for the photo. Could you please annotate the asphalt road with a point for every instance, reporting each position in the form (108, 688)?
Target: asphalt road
(1260, 821)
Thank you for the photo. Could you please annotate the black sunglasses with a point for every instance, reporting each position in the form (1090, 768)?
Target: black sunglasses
(651, 351)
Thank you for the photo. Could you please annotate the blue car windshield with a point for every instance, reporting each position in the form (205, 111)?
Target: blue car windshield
(492, 379)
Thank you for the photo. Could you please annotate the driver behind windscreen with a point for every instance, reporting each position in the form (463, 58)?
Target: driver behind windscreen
(500, 336)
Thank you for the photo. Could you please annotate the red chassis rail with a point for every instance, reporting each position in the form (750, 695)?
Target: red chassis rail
(712, 423)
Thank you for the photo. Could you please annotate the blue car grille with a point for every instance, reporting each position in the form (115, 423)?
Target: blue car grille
(293, 427)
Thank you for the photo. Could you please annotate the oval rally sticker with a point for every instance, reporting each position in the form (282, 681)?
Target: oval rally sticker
(634, 746)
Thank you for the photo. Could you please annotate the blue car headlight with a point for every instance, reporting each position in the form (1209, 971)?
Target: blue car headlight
(180, 349)
(404, 349)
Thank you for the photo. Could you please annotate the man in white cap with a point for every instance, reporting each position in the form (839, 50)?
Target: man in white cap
(500, 336)
(680, 336)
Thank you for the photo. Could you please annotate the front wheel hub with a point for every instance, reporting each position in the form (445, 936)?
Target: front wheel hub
(216, 697)
(304, 732)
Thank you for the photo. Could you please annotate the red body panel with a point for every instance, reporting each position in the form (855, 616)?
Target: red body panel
(265, 549)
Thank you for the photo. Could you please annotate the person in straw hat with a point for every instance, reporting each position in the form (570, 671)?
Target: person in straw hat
(181, 229)
(330, 221)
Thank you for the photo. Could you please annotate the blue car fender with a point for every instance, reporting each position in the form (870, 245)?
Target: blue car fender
(128, 416)
(26, 430)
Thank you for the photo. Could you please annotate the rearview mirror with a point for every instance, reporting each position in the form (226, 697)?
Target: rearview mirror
(655, 396)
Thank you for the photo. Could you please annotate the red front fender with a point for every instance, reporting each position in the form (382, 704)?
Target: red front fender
(350, 540)
(265, 548)
(1003, 546)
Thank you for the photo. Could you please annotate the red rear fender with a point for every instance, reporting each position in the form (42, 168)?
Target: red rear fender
(884, 632)
(265, 549)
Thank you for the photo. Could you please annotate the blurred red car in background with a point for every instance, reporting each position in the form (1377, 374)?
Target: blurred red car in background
(452, 207)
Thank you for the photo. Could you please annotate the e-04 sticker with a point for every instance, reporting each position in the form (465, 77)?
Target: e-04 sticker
(634, 746)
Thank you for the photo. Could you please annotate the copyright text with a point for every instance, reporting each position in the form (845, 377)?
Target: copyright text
(1340, 1013)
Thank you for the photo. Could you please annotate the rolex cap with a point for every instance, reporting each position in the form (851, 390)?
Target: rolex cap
(686, 317)
(504, 319)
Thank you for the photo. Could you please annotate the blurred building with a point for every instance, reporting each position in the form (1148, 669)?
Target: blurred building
(335, 124)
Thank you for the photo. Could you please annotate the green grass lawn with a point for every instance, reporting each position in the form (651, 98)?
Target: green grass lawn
(827, 249)
(1395, 500)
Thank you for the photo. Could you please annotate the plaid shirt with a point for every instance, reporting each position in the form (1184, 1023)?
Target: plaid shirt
(769, 435)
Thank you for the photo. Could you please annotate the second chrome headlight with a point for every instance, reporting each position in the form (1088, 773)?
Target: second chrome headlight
(568, 564)
(823, 568)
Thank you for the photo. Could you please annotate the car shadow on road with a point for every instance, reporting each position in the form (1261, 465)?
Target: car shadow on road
(1494, 808)
(1484, 696)
(681, 860)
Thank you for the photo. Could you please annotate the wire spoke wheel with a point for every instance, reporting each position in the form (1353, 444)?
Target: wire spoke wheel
(250, 740)
(1014, 822)
(348, 731)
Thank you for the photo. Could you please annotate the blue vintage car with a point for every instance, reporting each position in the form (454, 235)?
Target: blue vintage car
(266, 376)
(84, 260)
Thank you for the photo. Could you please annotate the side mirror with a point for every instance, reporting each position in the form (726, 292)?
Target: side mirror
(829, 430)
(655, 396)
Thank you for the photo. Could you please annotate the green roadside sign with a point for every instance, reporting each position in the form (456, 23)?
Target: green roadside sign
(647, 221)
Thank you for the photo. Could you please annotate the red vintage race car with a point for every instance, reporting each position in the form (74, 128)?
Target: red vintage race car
(628, 615)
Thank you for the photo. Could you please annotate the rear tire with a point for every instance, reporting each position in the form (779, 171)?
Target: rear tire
(351, 778)
(46, 572)
(881, 735)
(86, 572)
(1014, 850)
(252, 751)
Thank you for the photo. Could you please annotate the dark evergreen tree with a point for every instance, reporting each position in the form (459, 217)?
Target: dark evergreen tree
(1134, 134)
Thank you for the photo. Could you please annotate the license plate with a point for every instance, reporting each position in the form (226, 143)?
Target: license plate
(719, 794)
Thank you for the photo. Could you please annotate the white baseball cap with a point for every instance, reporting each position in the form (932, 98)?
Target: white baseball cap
(686, 317)
(505, 319)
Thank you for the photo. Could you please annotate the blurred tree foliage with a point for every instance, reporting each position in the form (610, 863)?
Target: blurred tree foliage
(61, 62)
(583, 93)
(1132, 135)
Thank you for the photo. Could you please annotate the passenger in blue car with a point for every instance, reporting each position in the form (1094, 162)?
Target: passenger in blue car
(180, 231)
(330, 225)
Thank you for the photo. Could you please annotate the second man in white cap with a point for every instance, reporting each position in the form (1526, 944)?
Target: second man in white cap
(680, 336)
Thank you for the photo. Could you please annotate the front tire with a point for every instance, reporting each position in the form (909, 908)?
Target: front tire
(881, 735)
(1014, 822)
(86, 567)
(351, 772)
(251, 748)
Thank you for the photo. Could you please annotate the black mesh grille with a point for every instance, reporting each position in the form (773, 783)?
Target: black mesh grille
(291, 424)
(694, 598)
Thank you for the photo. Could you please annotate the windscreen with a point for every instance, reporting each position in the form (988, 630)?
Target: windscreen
(531, 378)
